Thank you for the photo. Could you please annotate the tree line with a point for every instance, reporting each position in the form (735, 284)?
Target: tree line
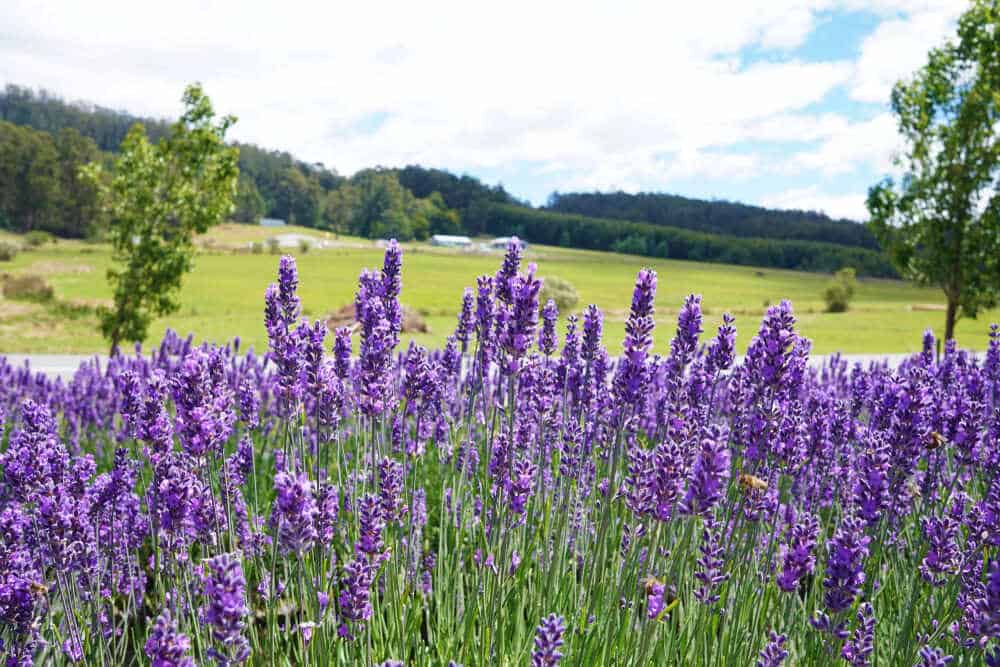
(39, 190)
(716, 217)
(639, 238)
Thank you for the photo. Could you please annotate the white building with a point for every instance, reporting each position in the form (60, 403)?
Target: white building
(448, 241)
(501, 243)
(272, 222)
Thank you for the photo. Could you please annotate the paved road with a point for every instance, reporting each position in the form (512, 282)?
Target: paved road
(64, 365)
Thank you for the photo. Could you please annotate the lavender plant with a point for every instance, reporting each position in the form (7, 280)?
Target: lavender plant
(523, 496)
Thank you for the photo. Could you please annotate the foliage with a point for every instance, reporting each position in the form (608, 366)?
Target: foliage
(257, 248)
(374, 204)
(559, 290)
(8, 251)
(840, 291)
(250, 205)
(40, 188)
(273, 246)
(304, 246)
(521, 506)
(27, 288)
(631, 245)
(38, 238)
(941, 222)
(577, 231)
(715, 217)
(157, 197)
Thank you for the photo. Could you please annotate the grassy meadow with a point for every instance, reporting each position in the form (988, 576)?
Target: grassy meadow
(223, 296)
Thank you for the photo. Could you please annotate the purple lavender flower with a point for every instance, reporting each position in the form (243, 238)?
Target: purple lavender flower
(485, 308)
(521, 485)
(377, 343)
(667, 479)
(294, 513)
(685, 342)
(942, 555)
(797, 557)
(548, 639)
(466, 320)
(655, 599)
(342, 351)
(392, 285)
(593, 326)
(225, 609)
(547, 339)
(371, 525)
(861, 644)
(508, 270)
(632, 374)
(167, 646)
(721, 351)
(355, 595)
(249, 403)
(391, 490)
(709, 474)
(871, 491)
(845, 565)
(769, 352)
(927, 347)
(933, 657)
(522, 319)
(774, 652)
(710, 564)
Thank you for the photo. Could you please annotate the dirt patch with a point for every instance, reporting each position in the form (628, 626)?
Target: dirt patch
(413, 322)
(11, 309)
(53, 267)
(934, 307)
(91, 303)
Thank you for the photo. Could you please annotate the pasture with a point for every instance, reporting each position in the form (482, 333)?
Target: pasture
(222, 296)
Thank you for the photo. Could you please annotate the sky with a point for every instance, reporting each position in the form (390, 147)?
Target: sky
(783, 103)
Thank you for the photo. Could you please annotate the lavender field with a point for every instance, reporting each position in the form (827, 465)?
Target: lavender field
(522, 496)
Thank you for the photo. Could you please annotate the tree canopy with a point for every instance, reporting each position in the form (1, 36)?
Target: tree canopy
(940, 222)
(157, 197)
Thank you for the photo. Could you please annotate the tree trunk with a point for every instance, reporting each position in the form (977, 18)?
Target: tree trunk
(950, 317)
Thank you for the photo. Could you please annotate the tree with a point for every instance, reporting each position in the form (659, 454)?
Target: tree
(157, 197)
(941, 223)
(840, 290)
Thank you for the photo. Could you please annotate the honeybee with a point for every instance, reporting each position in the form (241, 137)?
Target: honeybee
(39, 588)
(935, 440)
(752, 482)
(649, 582)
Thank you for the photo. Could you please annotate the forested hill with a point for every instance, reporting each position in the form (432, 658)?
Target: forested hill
(716, 217)
(44, 140)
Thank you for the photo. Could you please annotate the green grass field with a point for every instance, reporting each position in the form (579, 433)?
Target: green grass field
(223, 297)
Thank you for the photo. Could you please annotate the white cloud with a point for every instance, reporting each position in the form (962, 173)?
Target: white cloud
(850, 206)
(624, 94)
(872, 142)
(899, 46)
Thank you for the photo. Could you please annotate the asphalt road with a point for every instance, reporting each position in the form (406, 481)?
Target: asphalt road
(64, 365)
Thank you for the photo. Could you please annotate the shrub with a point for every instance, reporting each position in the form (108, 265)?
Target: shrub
(8, 251)
(840, 291)
(559, 290)
(27, 288)
(38, 238)
(304, 246)
(631, 245)
(257, 248)
(273, 246)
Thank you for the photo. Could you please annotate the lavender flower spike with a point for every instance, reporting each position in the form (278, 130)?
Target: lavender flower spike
(167, 646)
(774, 653)
(548, 639)
(225, 609)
